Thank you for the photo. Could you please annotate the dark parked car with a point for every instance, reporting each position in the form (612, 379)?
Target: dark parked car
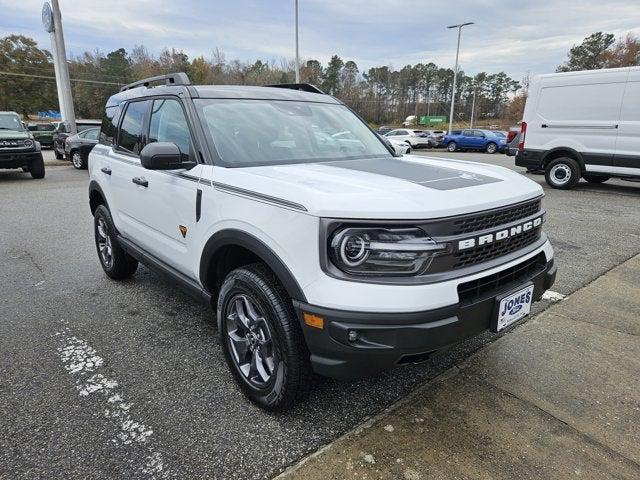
(474, 139)
(436, 138)
(18, 148)
(78, 146)
(43, 133)
(64, 131)
(384, 129)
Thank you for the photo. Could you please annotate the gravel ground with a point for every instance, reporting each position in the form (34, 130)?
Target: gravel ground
(103, 379)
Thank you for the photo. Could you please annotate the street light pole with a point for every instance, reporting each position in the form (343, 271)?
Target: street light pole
(455, 71)
(297, 48)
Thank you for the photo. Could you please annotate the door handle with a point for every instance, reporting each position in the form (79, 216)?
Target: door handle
(140, 181)
(106, 170)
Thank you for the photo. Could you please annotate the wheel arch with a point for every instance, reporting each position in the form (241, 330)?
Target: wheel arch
(559, 152)
(236, 242)
(96, 197)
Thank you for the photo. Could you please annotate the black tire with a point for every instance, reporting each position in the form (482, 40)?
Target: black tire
(59, 156)
(77, 160)
(289, 371)
(37, 167)
(452, 146)
(562, 173)
(408, 151)
(491, 148)
(596, 178)
(121, 265)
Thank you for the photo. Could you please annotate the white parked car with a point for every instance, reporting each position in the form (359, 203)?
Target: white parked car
(414, 138)
(331, 257)
(401, 148)
(582, 125)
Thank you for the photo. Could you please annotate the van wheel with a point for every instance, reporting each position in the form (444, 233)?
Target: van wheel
(491, 148)
(595, 178)
(562, 173)
(452, 146)
(261, 338)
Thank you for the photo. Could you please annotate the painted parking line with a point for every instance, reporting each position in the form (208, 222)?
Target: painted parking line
(83, 363)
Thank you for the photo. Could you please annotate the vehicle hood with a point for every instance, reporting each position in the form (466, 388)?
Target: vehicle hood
(13, 135)
(386, 188)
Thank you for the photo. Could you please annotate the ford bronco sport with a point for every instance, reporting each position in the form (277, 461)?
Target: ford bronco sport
(18, 148)
(320, 253)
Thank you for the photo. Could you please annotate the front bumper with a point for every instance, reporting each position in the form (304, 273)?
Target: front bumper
(389, 339)
(18, 159)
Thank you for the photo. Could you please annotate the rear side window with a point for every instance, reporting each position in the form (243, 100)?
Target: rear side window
(130, 134)
(169, 124)
(594, 102)
(91, 134)
(109, 125)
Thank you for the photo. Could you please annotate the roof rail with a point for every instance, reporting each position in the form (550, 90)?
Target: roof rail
(179, 78)
(303, 87)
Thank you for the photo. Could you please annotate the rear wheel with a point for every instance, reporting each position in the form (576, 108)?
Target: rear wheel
(77, 160)
(595, 178)
(562, 173)
(37, 167)
(491, 147)
(116, 263)
(452, 146)
(59, 156)
(261, 338)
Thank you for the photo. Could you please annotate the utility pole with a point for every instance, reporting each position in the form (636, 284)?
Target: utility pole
(52, 21)
(455, 71)
(297, 48)
(473, 106)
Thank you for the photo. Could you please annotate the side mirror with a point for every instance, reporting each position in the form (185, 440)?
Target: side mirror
(163, 156)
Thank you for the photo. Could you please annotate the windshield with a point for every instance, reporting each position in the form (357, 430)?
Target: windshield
(10, 122)
(272, 132)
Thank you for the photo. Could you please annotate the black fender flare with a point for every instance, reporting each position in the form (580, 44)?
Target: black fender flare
(95, 187)
(233, 237)
(575, 153)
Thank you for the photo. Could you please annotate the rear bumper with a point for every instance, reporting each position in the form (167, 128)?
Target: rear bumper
(388, 339)
(18, 159)
(530, 159)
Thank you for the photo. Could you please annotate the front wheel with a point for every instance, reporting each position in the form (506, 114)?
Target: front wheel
(77, 160)
(562, 173)
(261, 338)
(37, 167)
(452, 147)
(115, 262)
(491, 148)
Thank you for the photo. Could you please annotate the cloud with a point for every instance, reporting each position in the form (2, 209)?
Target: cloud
(512, 36)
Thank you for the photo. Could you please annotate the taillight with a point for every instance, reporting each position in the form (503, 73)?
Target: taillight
(523, 134)
(511, 135)
(66, 141)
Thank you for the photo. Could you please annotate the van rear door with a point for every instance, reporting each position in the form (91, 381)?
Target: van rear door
(627, 157)
(581, 112)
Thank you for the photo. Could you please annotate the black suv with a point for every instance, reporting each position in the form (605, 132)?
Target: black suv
(18, 148)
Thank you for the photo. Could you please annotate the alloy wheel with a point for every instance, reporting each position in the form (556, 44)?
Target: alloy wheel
(76, 159)
(104, 244)
(250, 342)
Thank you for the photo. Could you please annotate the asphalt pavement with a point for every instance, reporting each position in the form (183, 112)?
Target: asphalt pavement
(126, 380)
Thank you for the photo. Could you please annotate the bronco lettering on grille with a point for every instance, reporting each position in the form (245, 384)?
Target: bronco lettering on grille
(499, 235)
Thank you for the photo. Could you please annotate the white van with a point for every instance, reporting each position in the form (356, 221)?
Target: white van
(582, 124)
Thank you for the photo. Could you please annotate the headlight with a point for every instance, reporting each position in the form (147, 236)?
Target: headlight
(28, 143)
(382, 251)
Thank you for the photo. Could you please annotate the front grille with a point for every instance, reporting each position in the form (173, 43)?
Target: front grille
(475, 223)
(492, 250)
(521, 272)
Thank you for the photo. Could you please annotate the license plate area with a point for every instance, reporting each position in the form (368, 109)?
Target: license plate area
(511, 307)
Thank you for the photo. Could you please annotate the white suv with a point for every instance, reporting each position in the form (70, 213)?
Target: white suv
(413, 138)
(319, 254)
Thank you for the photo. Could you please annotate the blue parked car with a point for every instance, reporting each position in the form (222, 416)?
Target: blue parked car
(474, 139)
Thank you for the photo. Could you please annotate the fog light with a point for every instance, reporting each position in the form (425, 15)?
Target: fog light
(352, 336)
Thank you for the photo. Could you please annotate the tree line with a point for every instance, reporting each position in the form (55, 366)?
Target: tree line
(379, 94)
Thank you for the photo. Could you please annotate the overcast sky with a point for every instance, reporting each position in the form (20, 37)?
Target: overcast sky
(513, 36)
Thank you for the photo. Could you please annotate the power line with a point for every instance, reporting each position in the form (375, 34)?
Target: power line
(53, 78)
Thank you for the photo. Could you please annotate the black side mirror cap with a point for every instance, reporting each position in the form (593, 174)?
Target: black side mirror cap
(163, 156)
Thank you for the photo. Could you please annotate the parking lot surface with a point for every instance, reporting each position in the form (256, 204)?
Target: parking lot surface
(104, 379)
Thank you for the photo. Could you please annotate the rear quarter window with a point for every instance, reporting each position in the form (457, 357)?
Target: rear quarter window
(593, 102)
(109, 125)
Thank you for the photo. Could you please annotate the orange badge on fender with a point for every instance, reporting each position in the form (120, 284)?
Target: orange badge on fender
(183, 230)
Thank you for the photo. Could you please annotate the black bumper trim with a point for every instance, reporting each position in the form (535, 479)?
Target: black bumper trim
(388, 339)
(18, 159)
(530, 159)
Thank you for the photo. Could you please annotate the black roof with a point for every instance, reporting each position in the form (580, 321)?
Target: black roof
(222, 91)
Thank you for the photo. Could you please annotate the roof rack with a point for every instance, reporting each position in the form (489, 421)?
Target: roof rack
(179, 78)
(303, 87)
